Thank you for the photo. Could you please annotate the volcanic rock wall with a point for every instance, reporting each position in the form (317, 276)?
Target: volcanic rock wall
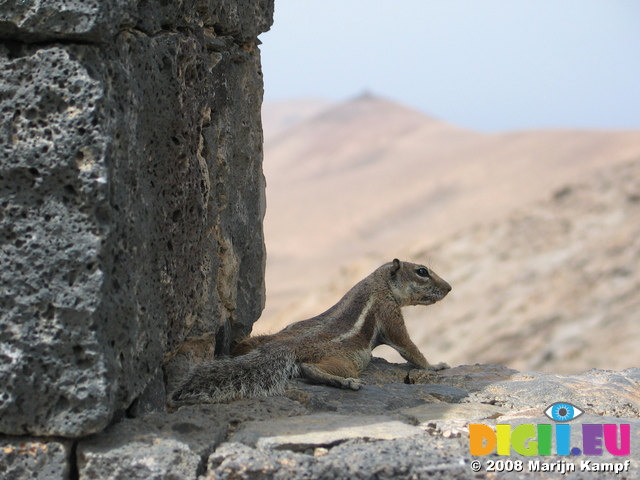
(131, 199)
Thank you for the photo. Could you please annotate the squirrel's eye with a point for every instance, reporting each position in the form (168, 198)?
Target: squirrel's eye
(423, 272)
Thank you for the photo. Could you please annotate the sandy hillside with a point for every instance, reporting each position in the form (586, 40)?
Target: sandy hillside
(555, 286)
(279, 116)
(367, 180)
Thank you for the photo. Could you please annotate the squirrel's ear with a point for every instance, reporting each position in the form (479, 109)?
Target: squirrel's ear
(396, 267)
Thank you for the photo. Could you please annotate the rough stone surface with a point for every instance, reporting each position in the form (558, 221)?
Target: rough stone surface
(413, 457)
(158, 446)
(97, 20)
(277, 437)
(440, 448)
(249, 410)
(419, 456)
(601, 392)
(371, 398)
(140, 455)
(25, 458)
(53, 222)
(131, 197)
(472, 378)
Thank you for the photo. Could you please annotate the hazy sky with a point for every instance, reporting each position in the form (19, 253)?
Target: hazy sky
(483, 64)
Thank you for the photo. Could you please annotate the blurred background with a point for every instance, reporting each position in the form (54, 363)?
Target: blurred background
(497, 142)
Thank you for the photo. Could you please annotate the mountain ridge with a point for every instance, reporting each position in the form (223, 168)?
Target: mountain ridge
(423, 189)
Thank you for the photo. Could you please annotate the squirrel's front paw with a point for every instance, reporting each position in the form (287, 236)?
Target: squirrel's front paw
(438, 366)
(352, 383)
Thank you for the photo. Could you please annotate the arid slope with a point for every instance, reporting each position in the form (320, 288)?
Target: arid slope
(368, 180)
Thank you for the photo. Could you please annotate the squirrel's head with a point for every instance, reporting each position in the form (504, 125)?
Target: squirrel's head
(414, 284)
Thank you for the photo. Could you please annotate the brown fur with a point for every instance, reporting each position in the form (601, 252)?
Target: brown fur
(334, 347)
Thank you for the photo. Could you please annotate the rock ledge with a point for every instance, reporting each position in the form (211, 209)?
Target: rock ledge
(417, 425)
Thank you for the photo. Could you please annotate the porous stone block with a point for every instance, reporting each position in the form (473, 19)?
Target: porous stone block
(132, 198)
(23, 458)
(55, 351)
(100, 20)
(135, 451)
(157, 446)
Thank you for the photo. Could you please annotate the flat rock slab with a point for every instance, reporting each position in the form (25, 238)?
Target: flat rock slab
(371, 399)
(472, 378)
(447, 411)
(321, 429)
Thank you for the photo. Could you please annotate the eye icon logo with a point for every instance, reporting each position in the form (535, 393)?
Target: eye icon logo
(562, 412)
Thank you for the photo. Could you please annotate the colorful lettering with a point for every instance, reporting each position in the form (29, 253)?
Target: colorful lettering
(482, 439)
(611, 439)
(529, 440)
(523, 440)
(504, 436)
(563, 439)
(544, 439)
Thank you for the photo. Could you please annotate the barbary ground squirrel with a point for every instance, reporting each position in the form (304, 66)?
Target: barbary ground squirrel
(332, 348)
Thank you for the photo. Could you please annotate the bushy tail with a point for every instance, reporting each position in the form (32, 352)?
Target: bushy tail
(264, 371)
